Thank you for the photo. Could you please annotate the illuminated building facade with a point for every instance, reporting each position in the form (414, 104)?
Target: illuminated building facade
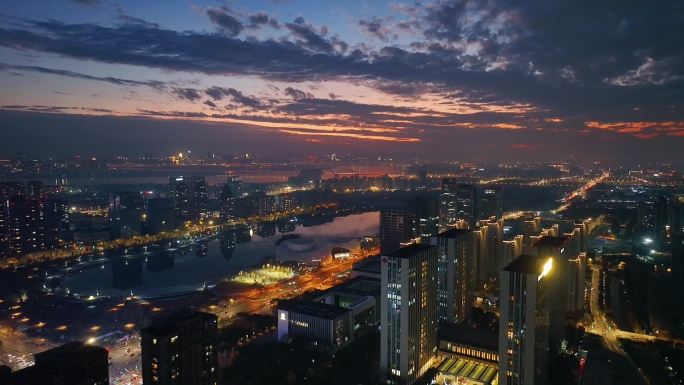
(455, 274)
(396, 227)
(467, 356)
(408, 315)
(525, 320)
(330, 326)
(180, 349)
(458, 202)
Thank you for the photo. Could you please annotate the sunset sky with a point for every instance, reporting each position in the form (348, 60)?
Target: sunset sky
(429, 79)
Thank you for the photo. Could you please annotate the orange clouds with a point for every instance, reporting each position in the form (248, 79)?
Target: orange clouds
(640, 129)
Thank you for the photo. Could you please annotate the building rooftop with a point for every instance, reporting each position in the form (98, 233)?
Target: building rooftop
(479, 338)
(453, 233)
(167, 324)
(359, 286)
(313, 308)
(410, 250)
(550, 241)
(529, 264)
(368, 265)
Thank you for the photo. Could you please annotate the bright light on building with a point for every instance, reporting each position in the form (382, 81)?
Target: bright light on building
(647, 241)
(547, 268)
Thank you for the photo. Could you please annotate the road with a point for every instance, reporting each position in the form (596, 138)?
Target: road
(261, 299)
(606, 328)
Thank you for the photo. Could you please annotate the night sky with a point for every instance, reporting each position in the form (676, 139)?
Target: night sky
(486, 79)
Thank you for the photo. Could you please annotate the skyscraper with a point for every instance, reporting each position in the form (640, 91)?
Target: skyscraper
(227, 202)
(455, 274)
(490, 203)
(189, 197)
(458, 202)
(426, 215)
(524, 324)
(396, 227)
(408, 313)
(180, 349)
(554, 247)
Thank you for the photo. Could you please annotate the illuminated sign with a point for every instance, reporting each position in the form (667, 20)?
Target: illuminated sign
(283, 316)
(546, 269)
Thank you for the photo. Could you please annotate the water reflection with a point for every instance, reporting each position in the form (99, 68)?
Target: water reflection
(201, 248)
(174, 268)
(228, 241)
(127, 273)
(160, 262)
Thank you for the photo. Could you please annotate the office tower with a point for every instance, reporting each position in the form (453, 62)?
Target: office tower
(490, 203)
(408, 313)
(125, 213)
(180, 349)
(555, 247)
(158, 216)
(458, 201)
(662, 214)
(455, 274)
(199, 200)
(490, 249)
(227, 202)
(71, 364)
(330, 325)
(396, 227)
(179, 193)
(189, 196)
(426, 215)
(526, 294)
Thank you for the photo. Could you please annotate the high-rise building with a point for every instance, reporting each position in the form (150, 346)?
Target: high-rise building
(74, 363)
(526, 295)
(408, 313)
(158, 216)
(189, 197)
(180, 349)
(455, 274)
(32, 224)
(458, 202)
(490, 249)
(554, 247)
(227, 202)
(490, 203)
(426, 215)
(125, 213)
(397, 227)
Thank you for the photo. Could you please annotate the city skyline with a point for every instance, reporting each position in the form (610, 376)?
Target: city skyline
(450, 79)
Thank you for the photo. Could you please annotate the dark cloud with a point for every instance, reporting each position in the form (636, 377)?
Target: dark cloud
(189, 94)
(297, 94)
(118, 81)
(375, 28)
(224, 18)
(260, 19)
(219, 93)
(209, 103)
(308, 38)
(598, 61)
